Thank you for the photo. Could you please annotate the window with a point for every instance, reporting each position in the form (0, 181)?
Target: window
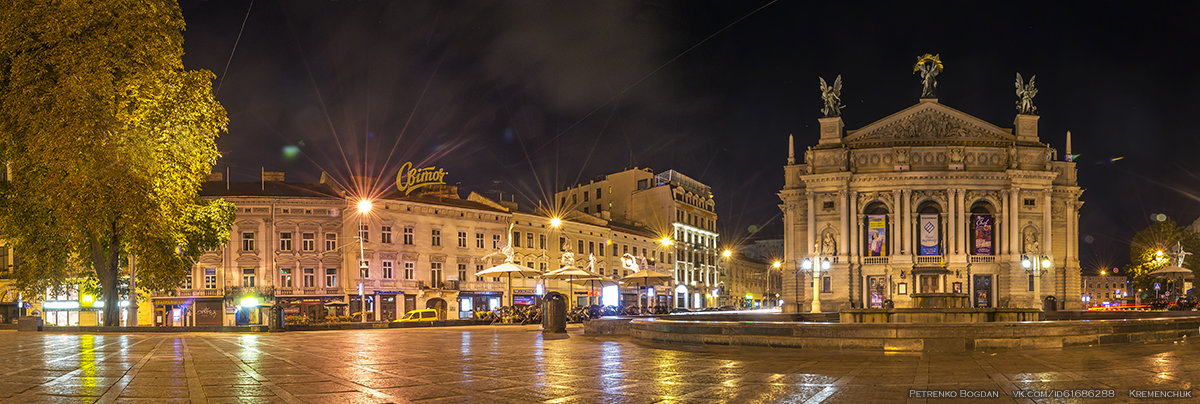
(247, 241)
(310, 276)
(1030, 282)
(826, 284)
(562, 243)
(597, 193)
(247, 277)
(585, 208)
(580, 250)
(330, 241)
(330, 277)
(387, 270)
(385, 235)
(408, 235)
(285, 278)
(600, 253)
(409, 268)
(643, 184)
(574, 199)
(285, 241)
(308, 241)
(436, 238)
(516, 239)
(529, 240)
(462, 272)
(364, 232)
(478, 269)
(435, 274)
(542, 241)
(495, 241)
(187, 281)
(1030, 202)
(591, 247)
(462, 239)
(585, 196)
(364, 269)
(478, 240)
(210, 278)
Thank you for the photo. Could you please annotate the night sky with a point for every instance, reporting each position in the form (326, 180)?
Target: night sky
(529, 97)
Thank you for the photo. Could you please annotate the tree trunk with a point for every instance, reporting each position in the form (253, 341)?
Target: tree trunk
(104, 261)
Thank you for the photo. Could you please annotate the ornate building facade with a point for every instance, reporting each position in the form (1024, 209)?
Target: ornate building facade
(930, 200)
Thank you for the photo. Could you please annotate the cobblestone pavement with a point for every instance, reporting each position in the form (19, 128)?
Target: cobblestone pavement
(514, 364)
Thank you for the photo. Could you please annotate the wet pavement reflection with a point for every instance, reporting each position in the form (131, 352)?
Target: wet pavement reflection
(514, 364)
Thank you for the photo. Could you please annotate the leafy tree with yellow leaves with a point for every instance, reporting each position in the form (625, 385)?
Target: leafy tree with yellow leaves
(107, 139)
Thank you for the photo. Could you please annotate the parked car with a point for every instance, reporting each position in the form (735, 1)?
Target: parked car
(419, 316)
(727, 308)
(711, 308)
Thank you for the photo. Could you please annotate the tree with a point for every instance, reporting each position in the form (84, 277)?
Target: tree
(108, 140)
(1151, 249)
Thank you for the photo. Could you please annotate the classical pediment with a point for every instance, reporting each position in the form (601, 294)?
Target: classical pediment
(929, 123)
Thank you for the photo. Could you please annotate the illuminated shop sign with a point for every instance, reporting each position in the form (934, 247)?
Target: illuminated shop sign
(409, 178)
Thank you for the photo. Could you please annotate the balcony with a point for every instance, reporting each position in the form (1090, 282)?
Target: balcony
(875, 260)
(981, 258)
(188, 293)
(929, 259)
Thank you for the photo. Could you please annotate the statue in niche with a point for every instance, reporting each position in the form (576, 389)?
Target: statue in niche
(1025, 94)
(1031, 241)
(828, 245)
(929, 66)
(568, 257)
(832, 95)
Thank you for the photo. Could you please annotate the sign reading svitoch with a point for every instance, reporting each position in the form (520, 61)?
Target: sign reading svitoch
(409, 178)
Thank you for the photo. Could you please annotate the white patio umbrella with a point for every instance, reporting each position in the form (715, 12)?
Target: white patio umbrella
(509, 269)
(570, 273)
(1173, 272)
(644, 278)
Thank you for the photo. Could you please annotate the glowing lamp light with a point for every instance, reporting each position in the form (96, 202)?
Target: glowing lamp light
(1102, 273)
(555, 222)
(539, 290)
(726, 253)
(1046, 263)
(1026, 263)
(825, 264)
(87, 300)
(248, 302)
(650, 292)
(666, 241)
(776, 264)
(806, 265)
(364, 206)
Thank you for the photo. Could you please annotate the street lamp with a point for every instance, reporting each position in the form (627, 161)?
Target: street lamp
(807, 266)
(364, 207)
(666, 242)
(555, 222)
(1034, 266)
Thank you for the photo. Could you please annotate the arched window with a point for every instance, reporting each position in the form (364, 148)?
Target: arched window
(875, 230)
(982, 229)
(929, 224)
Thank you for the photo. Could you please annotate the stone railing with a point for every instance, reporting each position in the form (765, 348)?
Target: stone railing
(308, 291)
(981, 258)
(929, 259)
(480, 285)
(875, 260)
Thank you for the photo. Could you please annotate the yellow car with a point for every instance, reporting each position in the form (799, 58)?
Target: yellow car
(419, 316)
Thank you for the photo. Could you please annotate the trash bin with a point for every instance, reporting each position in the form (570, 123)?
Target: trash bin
(554, 313)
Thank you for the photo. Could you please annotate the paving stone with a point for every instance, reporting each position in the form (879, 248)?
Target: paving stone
(513, 364)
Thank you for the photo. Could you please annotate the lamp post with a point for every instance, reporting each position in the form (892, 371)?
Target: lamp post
(1034, 266)
(364, 206)
(808, 266)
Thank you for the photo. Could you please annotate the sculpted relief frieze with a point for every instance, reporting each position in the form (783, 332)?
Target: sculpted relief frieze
(922, 195)
(927, 124)
(991, 196)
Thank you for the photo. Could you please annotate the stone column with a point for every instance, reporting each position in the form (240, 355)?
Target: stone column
(896, 223)
(844, 234)
(908, 223)
(960, 245)
(812, 225)
(1047, 245)
(1014, 226)
(951, 222)
(1001, 226)
(852, 248)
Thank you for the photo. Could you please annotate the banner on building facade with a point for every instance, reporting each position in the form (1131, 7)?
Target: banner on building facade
(876, 235)
(929, 235)
(982, 225)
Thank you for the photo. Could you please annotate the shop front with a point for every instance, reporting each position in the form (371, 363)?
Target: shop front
(313, 309)
(470, 302)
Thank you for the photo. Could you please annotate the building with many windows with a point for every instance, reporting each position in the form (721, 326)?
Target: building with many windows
(931, 200)
(1098, 290)
(668, 203)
